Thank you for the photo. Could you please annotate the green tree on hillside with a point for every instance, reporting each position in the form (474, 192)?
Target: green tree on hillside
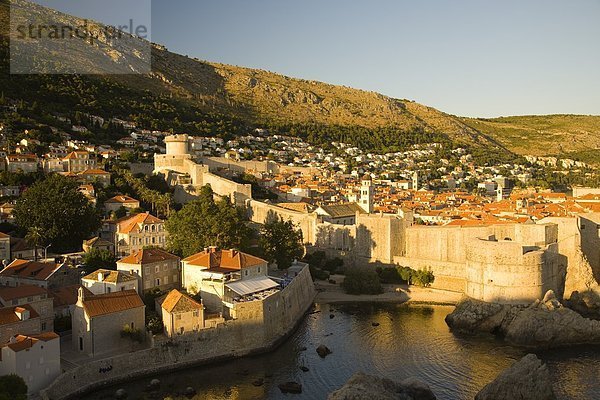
(205, 222)
(55, 207)
(281, 241)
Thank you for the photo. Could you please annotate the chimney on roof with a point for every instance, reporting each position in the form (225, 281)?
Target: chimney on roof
(12, 340)
(100, 276)
(212, 249)
(80, 294)
(22, 313)
(233, 252)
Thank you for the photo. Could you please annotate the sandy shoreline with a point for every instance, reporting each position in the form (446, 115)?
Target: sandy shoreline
(333, 293)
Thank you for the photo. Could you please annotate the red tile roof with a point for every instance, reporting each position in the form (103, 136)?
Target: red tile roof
(147, 256)
(29, 269)
(121, 199)
(133, 223)
(111, 303)
(176, 301)
(73, 154)
(12, 293)
(94, 172)
(8, 314)
(67, 295)
(223, 259)
(23, 342)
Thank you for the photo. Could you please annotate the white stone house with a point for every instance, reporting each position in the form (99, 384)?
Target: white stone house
(35, 358)
(138, 231)
(104, 281)
(208, 271)
(155, 268)
(116, 202)
(97, 321)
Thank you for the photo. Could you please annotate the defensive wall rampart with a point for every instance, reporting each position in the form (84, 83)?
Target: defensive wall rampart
(444, 249)
(510, 272)
(217, 163)
(307, 222)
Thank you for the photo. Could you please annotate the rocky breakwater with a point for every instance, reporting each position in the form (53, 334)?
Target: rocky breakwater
(363, 386)
(543, 324)
(586, 303)
(528, 379)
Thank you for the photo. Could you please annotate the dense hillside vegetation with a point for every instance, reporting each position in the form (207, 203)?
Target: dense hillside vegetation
(198, 97)
(575, 135)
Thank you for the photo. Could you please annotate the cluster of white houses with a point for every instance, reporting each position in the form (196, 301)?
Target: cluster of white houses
(190, 294)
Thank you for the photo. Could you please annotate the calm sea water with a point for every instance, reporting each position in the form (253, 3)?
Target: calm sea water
(409, 341)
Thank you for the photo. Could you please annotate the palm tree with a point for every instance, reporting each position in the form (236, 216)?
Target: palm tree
(34, 236)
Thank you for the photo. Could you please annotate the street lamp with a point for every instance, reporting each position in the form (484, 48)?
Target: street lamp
(46, 252)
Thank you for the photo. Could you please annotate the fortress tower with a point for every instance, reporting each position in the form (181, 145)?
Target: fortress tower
(366, 194)
(177, 145)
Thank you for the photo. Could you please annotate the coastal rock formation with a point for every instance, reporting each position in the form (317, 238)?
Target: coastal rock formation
(543, 324)
(528, 378)
(363, 386)
(586, 303)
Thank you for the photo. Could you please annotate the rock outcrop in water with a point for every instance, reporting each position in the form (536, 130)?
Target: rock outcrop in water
(543, 324)
(362, 386)
(528, 379)
(586, 303)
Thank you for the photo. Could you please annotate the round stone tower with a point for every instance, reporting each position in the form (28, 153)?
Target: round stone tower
(177, 145)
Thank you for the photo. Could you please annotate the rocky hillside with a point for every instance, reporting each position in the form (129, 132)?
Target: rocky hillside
(187, 90)
(577, 135)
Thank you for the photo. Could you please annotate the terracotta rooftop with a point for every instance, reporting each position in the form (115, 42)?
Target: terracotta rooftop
(12, 293)
(74, 154)
(97, 241)
(110, 276)
(23, 342)
(8, 314)
(29, 269)
(223, 260)
(67, 295)
(109, 303)
(94, 171)
(22, 157)
(135, 222)
(121, 199)
(177, 302)
(147, 256)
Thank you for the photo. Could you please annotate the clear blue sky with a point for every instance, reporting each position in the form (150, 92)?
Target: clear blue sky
(466, 57)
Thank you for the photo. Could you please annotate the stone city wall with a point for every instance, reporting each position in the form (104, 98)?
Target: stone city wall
(238, 192)
(261, 325)
(271, 167)
(442, 249)
(581, 247)
(216, 163)
(507, 272)
(259, 211)
(375, 238)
